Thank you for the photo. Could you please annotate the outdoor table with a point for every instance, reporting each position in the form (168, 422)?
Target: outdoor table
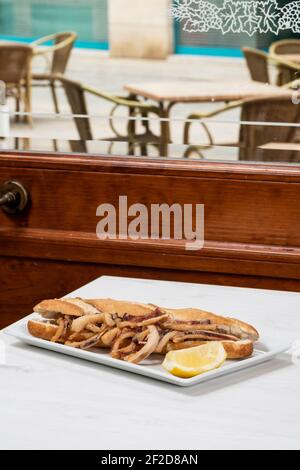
(51, 401)
(168, 94)
(282, 146)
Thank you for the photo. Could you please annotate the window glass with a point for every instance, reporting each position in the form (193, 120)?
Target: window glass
(190, 79)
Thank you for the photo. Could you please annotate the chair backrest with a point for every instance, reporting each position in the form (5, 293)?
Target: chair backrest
(76, 97)
(61, 56)
(257, 62)
(286, 46)
(286, 74)
(15, 62)
(264, 110)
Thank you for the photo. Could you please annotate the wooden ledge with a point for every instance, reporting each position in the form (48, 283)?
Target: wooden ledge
(234, 258)
(150, 166)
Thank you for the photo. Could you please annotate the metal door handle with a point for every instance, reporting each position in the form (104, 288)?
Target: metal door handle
(14, 197)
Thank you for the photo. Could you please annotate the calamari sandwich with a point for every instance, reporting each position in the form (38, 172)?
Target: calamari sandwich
(134, 331)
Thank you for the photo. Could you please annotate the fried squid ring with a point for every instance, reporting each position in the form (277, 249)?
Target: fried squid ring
(118, 345)
(109, 337)
(88, 343)
(147, 349)
(59, 331)
(80, 323)
(202, 335)
(164, 341)
(130, 321)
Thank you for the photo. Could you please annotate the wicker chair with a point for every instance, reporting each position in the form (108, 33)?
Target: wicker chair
(62, 44)
(277, 109)
(285, 47)
(76, 95)
(258, 64)
(15, 71)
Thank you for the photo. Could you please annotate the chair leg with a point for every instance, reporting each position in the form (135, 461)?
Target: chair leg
(17, 117)
(144, 150)
(196, 149)
(131, 132)
(186, 133)
(27, 104)
(143, 146)
(164, 130)
(279, 79)
(54, 97)
(26, 144)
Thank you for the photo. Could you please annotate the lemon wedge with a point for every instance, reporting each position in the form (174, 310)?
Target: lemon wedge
(191, 362)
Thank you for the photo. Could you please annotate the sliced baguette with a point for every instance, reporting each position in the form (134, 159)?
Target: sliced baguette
(54, 307)
(234, 349)
(121, 307)
(79, 307)
(41, 330)
(245, 330)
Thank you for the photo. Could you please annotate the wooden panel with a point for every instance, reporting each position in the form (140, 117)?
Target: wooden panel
(235, 211)
(24, 282)
(215, 257)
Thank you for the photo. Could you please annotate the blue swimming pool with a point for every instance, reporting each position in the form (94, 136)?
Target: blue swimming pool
(29, 19)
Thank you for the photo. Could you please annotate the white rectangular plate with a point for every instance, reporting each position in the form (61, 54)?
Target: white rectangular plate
(157, 292)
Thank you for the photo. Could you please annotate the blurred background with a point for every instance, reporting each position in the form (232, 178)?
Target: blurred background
(128, 28)
(110, 45)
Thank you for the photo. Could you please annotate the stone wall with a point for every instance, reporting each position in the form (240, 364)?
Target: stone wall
(140, 28)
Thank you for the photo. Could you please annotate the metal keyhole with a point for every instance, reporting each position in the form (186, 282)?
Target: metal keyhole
(14, 198)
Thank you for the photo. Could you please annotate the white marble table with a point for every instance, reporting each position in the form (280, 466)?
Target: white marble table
(50, 401)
